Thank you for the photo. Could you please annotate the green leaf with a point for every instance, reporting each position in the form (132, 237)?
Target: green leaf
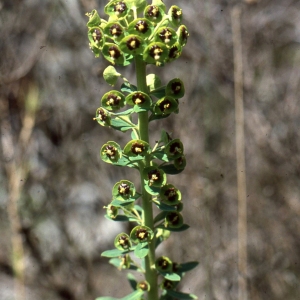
(128, 88)
(136, 295)
(141, 250)
(170, 169)
(119, 218)
(159, 217)
(153, 82)
(172, 276)
(185, 267)
(160, 155)
(106, 298)
(182, 228)
(111, 75)
(113, 253)
(132, 281)
(183, 296)
(152, 190)
(119, 203)
(164, 207)
(121, 125)
(159, 93)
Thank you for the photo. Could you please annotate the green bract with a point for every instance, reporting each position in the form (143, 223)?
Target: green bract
(140, 100)
(141, 27)
(165, 106)
(113, 100)
(122, 241)
(123, 189)
(170, 195)
(175, 88)
(141, 234)
(114, 30)
(142, 33)
(111, 152)
(136, 148)
(103, 117)
(117, 9)
(174, 149)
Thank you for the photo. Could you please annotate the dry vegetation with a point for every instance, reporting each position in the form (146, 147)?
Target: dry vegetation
(50, 160)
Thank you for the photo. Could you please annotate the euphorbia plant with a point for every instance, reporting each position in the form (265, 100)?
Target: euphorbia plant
(141, 33)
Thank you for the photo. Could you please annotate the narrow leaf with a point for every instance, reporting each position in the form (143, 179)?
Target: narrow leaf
(113, 253)
(185, 267)
(132, 281)
(183, 296)
(172, 276)
(136, 295)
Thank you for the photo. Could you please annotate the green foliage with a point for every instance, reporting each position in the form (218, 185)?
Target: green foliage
(142, 33)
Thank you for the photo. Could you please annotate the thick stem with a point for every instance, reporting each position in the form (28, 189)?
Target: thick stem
(151, 274)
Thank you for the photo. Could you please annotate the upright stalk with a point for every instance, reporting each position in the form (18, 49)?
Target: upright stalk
(151, 274)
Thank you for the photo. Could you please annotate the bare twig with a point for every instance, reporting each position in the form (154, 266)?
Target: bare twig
(17, 171)
(240, 152)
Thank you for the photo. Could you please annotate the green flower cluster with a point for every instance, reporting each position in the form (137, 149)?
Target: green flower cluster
(134, 29)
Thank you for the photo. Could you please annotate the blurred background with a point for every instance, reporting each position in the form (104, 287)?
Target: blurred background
(53, 185)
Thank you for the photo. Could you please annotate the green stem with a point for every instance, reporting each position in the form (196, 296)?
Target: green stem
(143, 125)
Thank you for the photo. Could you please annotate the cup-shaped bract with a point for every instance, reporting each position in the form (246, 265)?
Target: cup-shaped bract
(175, 15)
(141, 234)
(175, 88)
(103, 117)
(117, 9)
(183, 35)
(141, 27)
(174, 149)
(154, 13)
(140, 99)
(94, 19)
(143, 286)
(170, 195)
(163, 264)
(122, 241)
(113, 54)
(96, 37)
(112, 211)
(167, 284)
(132, 44)
(166, 35)
(113, 100)
(154, 176)
(174, 52)
(173, 220)
(155, 53)
(114, 30)
(165, 106)
(111, 152)
(136, 148)
(124, 190)
(180, 162)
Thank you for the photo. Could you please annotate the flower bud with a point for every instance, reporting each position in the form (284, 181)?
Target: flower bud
(113, 53)
(143, 286)
(165, 106)
(132, 44)
(166, 35)
(111, 211)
